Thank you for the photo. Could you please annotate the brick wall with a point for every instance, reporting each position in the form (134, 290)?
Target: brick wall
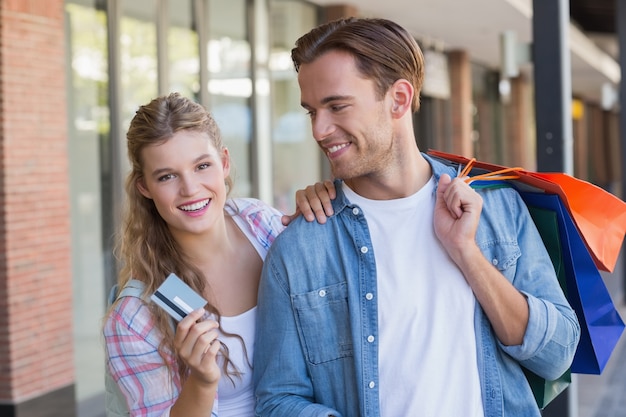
(36, 341)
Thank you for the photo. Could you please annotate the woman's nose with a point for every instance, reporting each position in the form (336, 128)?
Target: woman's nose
(189, 185)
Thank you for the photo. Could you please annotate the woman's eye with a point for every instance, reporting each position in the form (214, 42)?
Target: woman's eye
(165, 177)
(204, 165)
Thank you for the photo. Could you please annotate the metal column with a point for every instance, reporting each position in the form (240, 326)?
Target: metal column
(553, 93)
(116, 144)
(553, 85)
(620, 25)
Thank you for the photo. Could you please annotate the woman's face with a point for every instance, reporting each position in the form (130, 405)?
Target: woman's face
(185, 177)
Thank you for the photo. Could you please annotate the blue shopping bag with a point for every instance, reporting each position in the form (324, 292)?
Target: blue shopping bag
(600, 322)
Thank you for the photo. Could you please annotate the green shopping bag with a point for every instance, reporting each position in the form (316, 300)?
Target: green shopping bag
(546, 391)
(546, 221)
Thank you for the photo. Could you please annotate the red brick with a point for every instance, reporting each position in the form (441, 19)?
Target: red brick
(36, 347)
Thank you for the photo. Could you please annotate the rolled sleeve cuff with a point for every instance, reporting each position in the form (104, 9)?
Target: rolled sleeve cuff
(541, 326)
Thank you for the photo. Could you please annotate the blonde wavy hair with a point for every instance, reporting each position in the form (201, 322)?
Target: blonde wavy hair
(145, 246)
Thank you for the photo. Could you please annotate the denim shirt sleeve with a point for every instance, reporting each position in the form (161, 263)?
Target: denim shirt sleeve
(553, 330)
(282, 384)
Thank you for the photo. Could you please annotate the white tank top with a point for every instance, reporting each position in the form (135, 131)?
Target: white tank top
(236, 396)
(238, 399)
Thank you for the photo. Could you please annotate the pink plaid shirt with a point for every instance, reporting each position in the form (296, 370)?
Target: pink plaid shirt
(132, 340)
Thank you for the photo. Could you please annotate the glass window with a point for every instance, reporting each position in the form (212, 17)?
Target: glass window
(230, 85)
(88, 128)
(138, 56)
(183, 50)
(296, 156)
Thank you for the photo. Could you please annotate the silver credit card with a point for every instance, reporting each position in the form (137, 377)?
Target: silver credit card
(177, 298)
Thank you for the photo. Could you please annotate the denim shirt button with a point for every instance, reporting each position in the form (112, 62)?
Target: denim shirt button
(370, 338)
(372, 384)
(364, 249)
(322, 293)
(369, 296)
(355, 211)
(494, 261)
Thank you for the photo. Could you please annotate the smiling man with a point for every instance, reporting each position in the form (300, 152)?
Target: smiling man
(419, 296)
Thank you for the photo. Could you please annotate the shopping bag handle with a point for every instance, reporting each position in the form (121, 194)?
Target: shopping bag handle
(501, 174)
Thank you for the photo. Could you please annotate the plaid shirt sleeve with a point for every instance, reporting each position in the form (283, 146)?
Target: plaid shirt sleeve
(263, 220)
(134, 362)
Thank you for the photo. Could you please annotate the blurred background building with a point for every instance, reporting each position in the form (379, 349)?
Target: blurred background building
(73, 72)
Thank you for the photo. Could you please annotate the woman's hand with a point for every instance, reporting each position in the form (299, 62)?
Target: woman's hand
(197, 344)
(314, 202)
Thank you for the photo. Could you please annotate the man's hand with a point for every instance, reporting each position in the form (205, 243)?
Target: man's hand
(456, 216)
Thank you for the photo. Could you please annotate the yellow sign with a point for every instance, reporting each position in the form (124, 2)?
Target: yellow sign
(578, 109)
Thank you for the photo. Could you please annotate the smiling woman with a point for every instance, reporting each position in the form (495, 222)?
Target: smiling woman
(180, 220)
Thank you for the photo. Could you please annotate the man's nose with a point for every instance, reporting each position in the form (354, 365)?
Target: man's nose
(322, 126)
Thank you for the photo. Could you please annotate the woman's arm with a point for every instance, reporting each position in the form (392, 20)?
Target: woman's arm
(150, 387)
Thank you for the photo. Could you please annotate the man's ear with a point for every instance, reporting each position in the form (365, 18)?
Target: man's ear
(141, 186)
(402, 96)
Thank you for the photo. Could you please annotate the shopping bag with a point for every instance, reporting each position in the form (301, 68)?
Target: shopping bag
(599, 215)
(601, 325)
(545, 390)
(600, 322)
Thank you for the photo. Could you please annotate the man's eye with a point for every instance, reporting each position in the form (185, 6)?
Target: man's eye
(338, 107)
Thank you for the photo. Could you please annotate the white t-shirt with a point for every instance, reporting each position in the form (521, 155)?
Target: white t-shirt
(427, 346)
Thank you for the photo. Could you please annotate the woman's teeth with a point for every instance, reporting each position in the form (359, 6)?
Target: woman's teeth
(195, 206)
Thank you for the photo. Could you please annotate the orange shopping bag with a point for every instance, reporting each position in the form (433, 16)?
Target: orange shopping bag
(599, 216)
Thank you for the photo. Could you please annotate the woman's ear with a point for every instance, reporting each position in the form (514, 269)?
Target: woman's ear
(226, 161)
(141, 186)
(402, 97)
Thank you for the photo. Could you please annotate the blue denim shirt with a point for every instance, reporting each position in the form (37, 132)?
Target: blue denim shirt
(317, 305)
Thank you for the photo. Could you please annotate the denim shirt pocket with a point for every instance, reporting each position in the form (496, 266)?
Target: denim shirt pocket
(321, 318)
(503, 255)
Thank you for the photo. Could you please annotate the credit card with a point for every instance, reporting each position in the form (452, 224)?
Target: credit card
(177, 298)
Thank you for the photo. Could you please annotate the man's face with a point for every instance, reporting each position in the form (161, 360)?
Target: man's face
(352, 126)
